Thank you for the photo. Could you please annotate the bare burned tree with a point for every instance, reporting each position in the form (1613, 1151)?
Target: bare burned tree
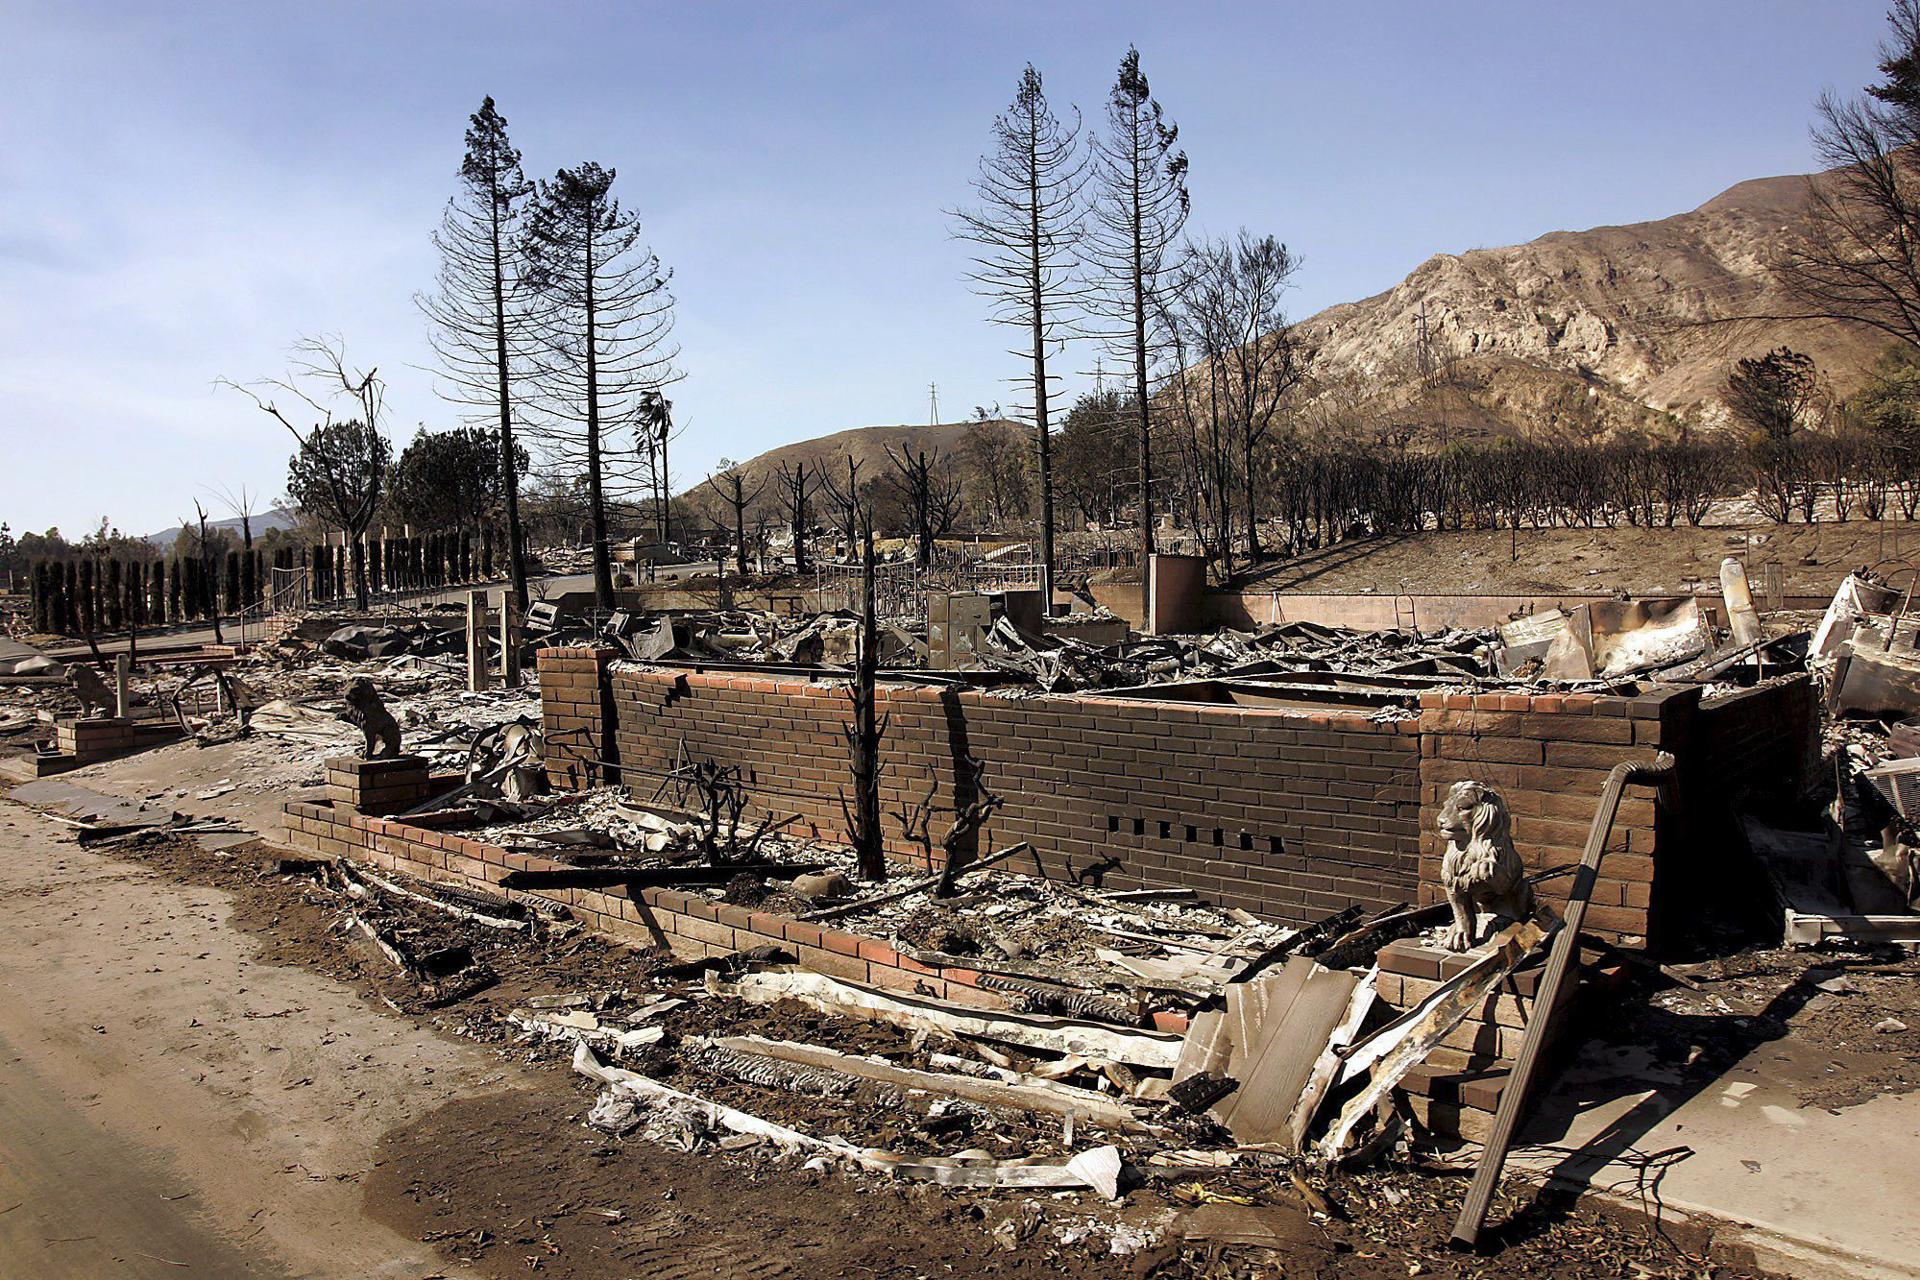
(961, 843)
(1858, 261)
(1230, 301)
(653, 430)
(796, 494)
(1139, 208)
(946, 500)
(477, 316)
(339, 470)
(849, 500)
(1192, 401)
(243, 503)
(602, 321)
(731, 484)
(1026, 232)
(918, 486)
(207, 571)
(866, 731)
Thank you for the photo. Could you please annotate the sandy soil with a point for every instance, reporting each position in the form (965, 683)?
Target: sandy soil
(1811, 559)
(178, 1100)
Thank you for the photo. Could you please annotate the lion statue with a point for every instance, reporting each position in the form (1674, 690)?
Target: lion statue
(1481, 867)
(368, 714)
(96, 699)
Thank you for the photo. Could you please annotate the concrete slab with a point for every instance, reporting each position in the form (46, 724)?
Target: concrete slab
(1814, 1192)
(89, 806)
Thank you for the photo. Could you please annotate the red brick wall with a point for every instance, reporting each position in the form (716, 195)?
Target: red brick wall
(1548, 755)
(574, 716)
(1288, 814)
(1763, 739)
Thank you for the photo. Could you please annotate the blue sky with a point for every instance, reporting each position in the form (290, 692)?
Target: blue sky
(187, 188)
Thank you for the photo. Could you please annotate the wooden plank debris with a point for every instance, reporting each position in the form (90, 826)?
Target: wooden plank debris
(1093, 1040)
(1098, 1169)
(1281, 1023)
(1034, 1095)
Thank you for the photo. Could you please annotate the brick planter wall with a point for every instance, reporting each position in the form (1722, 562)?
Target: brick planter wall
(1289, 814)
(688, 925)
(80, 742)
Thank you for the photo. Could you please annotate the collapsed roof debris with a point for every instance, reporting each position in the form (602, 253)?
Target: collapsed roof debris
(1849, 875)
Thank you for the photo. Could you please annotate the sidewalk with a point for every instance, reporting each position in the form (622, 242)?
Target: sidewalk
(1815, 1192)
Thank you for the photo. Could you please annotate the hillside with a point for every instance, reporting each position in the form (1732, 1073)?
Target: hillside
(1587, 331)
(1579, 333)
(273, 518)
(867, 445)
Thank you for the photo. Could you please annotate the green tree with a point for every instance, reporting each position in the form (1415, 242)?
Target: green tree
(452, 479)
(1772, 395)
(1092, 449)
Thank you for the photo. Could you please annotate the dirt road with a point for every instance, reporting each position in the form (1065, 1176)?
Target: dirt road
(170, 1105)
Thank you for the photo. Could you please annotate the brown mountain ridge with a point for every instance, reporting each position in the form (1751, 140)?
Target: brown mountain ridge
(1575, 333)
(1585, 332)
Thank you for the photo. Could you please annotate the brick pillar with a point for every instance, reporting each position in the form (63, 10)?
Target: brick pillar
(1548, 756)
(94, 738)
(577, 718)
(391, 785)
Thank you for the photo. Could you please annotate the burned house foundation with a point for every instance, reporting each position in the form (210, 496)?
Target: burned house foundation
(1280, 799)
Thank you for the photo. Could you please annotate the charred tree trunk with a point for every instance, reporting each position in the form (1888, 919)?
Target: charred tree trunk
(864, 734)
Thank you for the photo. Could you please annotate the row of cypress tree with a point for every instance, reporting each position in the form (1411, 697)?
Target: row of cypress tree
(419, 563)
(87, 596)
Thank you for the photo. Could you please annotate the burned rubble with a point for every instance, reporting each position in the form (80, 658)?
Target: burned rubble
(1021, 1020)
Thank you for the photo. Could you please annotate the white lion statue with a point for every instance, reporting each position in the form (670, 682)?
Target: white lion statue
(1481, 866)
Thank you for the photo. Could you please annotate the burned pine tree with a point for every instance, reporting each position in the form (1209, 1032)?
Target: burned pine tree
(602, 319)
(796, 496)
(1139, 206)
(731, 484)
(1026, 231)
(477, 320)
